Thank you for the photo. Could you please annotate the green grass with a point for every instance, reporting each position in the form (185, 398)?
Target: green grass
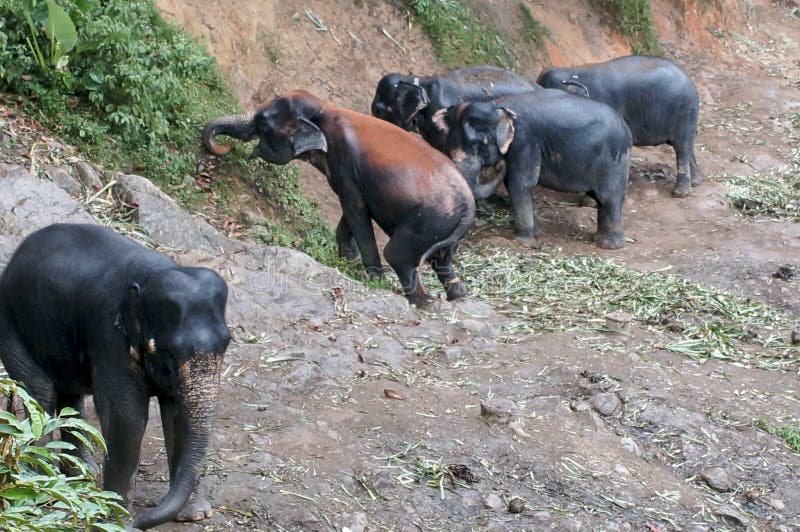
(458, 37)
(790, 433)
(635, 19)
(533, 32)
(554, 292)
(774, 193)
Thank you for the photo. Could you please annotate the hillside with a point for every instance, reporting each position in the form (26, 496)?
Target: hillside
(525, 407)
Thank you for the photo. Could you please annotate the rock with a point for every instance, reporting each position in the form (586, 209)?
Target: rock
(731, 514)
(28, 203)
(605, 403)
(619, 322)
(64, 180)
(166, 223)
(479, 328)
(358, 522)
(516, 506)
(503, 410)
(88, 176)
(630, 445)
(493, 502)
(717, 478)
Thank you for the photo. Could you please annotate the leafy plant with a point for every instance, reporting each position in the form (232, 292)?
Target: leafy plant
(134, 92)
(533, 32)
(458, 37)
(635, 18)
(34, 494)
(790, 433)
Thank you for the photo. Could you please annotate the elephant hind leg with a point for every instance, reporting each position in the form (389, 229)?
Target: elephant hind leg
(442, 264)
(610, 233)
(403, 253)
(697, 174)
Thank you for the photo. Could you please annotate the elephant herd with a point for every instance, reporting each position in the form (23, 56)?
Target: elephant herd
(84, 310)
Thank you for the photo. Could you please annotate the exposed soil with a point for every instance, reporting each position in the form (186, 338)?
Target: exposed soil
(332, 415)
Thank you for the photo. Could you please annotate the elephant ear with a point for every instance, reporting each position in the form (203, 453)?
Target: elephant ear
(307, 137)
(128, 319)
(439, 120)
(504, 131)
(411, 99)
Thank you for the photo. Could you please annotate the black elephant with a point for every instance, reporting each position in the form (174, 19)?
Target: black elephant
(379, 172)
(84, 310)
(547, 137)
(411, 101)
(656, 97)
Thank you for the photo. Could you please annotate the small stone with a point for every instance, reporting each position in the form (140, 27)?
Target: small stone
(619, 322)
(605, 403)
(493, 502)
(733, 515)
(88, 176)
(717, 478)
(479, 328)
(795, 338)
(630, 445)
(64, 180)
(504, 410)
(516, 506)
(453, 354)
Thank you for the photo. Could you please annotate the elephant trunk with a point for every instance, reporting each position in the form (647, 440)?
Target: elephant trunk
(198, 389)
(483, 181)
(239, 126)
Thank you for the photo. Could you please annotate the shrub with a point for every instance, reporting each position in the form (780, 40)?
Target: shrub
(458, 37)
(34, 494)
(131, 91)
(635, 19)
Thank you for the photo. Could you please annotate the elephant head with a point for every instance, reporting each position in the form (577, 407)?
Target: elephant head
(398, 99)
(175, 324)
(286, 128)
(478, 136)
(563, 79)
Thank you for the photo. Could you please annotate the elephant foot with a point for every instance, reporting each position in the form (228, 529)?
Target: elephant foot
(587, 201)
(456, 290)
(374, 272)
(680, 192)
(422, 301)
(527, 241)
(697, 181)
(197, 509)
(609, 241)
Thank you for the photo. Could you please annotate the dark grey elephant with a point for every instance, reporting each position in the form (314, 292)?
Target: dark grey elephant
(84, 310)
(547, 137)
(411, 101)
(656, 97)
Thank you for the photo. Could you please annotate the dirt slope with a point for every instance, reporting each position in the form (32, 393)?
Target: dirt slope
(591, 430)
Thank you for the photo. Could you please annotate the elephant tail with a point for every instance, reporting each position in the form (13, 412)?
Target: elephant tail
(464, 223)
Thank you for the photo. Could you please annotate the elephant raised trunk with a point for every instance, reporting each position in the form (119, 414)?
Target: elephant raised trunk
(198, 383)
(241, 126)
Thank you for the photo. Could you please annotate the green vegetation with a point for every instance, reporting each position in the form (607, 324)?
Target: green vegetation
(774, 193)
(533, 32)
(127, 88)
(34, 494)
(790, 433)
(635, 20)
(458, 37)
(551, 292)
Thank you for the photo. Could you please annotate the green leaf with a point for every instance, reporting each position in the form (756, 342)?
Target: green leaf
(18, 493)
(60, 27)
(86, 5)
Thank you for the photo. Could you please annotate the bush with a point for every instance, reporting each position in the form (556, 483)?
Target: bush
(34, 494)
(635, 19)
(458, 37)
(130, 90)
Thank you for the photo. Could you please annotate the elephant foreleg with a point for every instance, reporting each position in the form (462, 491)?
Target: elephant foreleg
(520, 190)
(357, 218)
(345, 240)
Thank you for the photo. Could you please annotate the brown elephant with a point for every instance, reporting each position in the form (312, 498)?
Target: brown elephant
(380, 172)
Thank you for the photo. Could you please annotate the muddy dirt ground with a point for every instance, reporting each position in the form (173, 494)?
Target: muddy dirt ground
(352, 411)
